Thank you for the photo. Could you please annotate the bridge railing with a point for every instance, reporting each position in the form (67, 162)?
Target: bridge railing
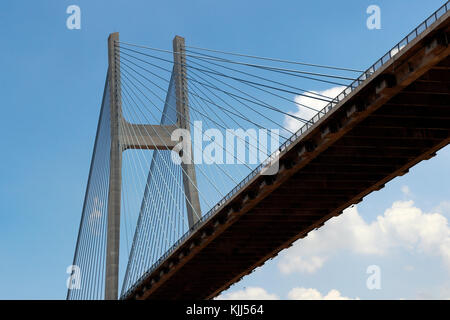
(349, 89)
(372, 69)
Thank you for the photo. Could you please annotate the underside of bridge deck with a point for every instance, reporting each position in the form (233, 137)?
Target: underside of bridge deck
(400, 117)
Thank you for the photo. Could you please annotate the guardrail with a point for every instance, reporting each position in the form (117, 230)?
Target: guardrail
(355, 84)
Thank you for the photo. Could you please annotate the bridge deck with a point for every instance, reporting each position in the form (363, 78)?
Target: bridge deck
(395, 119)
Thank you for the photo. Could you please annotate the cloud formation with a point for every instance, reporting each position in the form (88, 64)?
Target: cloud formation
(314, 294)
(401, 226)
(257, 293)
(305, 113)
(250, 293)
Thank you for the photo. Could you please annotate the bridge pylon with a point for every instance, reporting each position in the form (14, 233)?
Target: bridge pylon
(144, 139)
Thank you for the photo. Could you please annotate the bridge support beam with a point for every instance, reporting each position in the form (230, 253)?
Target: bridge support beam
(147, 136)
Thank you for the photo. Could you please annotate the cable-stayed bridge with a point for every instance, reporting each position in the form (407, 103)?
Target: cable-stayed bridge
(264, 160)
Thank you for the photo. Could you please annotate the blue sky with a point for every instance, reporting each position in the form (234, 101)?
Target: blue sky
(52, 83)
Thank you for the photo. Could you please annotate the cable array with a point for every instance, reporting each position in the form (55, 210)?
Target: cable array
(239, 101)
(241, 109)
(229, 95)
(90, 252)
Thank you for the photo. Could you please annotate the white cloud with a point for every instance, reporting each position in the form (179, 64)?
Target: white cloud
(305, 113)
(402, 226)
(309, 265)
(443, 207)
(443, 293)
(257, 293)
(406, 191)
(314, 294)
(409, 268)
(250, 293)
